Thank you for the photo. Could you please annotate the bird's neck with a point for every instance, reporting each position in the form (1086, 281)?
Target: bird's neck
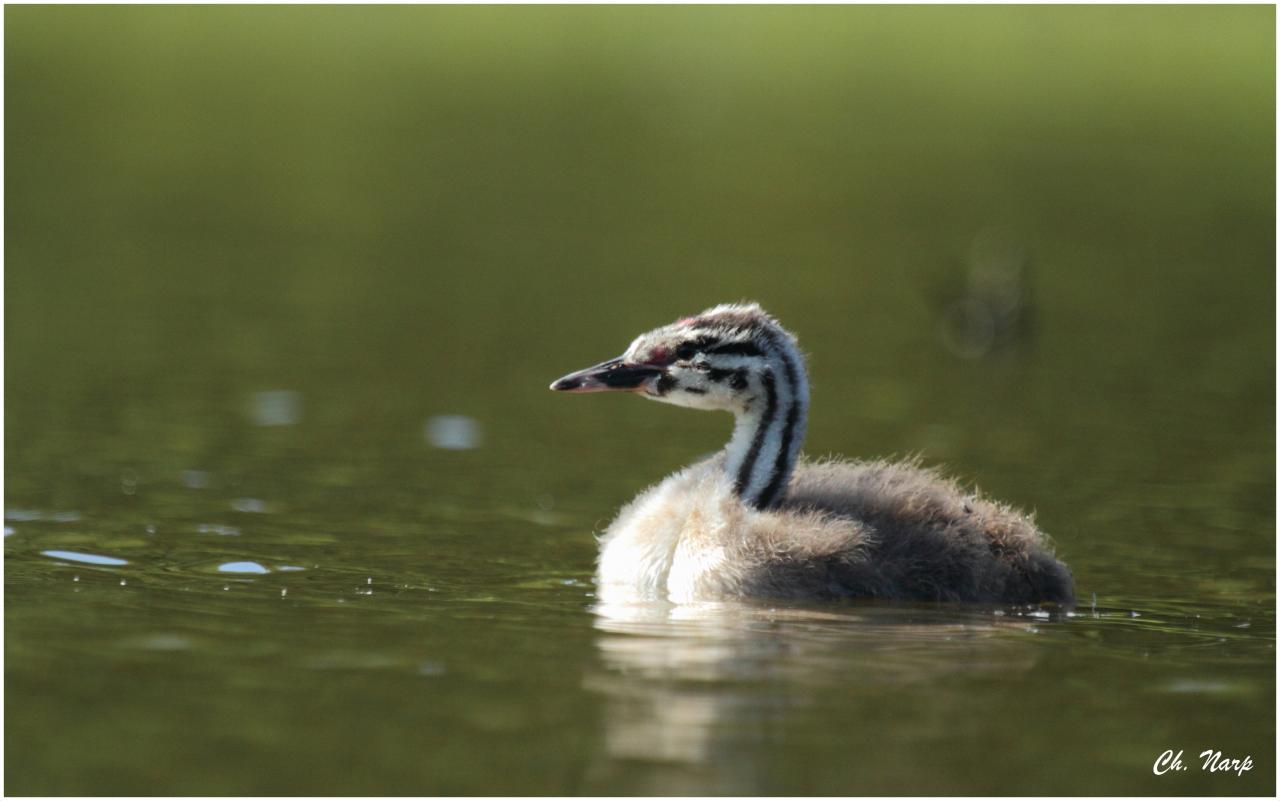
(768, 433)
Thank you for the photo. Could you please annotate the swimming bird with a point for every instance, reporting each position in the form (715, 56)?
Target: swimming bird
(757, 520)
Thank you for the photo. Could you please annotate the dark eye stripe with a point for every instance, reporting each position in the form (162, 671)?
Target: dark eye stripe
(736, 349)
(692, 347)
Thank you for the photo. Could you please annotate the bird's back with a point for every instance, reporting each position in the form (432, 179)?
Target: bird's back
(909, 534)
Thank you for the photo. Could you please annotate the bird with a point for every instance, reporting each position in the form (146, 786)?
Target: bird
(757, 520)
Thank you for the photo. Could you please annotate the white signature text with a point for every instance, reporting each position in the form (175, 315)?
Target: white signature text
(1214, 762)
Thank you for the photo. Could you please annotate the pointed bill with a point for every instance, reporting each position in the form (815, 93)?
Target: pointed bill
(613, 375)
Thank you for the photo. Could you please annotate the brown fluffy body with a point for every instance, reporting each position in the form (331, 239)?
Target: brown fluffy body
(888, 530)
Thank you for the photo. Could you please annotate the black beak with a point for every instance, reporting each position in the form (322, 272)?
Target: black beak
(614, 374)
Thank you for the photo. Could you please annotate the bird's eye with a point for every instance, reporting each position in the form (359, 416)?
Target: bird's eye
(686, 352)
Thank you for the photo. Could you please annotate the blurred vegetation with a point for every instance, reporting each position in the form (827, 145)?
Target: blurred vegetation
(391, 173)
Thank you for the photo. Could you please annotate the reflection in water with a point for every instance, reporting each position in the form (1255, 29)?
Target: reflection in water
(86, 558)
(32, 515)
(195, 479)
(129, 481)
(249, 505)
(158, 642)
(994, 308)
(242, 567)
(278, 407)
(697, 692)
(453, 432)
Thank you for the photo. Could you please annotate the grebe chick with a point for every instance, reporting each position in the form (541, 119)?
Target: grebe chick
(757, 521)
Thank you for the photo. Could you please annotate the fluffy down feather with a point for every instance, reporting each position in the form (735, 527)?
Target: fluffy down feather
(890, 530)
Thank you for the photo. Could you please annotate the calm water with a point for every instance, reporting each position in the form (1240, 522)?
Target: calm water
(289, 509)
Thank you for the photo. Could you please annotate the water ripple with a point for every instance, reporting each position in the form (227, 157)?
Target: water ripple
(86, 558)
(242, 567)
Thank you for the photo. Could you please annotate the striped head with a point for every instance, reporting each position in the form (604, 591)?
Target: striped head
(735, 358)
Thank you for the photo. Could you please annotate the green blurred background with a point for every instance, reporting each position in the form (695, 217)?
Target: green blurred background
(1035, 244)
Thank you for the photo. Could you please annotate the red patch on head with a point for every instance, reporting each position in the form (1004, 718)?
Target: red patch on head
(658, 356)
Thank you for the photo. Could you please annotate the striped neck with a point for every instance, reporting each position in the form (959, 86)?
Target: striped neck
(770, 428)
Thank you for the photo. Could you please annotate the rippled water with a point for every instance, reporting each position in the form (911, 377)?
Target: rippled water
(289, 509)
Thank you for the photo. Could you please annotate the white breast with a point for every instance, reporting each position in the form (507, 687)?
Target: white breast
(675, 541)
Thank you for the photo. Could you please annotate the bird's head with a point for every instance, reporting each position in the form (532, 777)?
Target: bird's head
(727, 358)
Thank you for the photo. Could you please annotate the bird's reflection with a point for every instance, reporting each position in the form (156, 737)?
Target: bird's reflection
(695, 694)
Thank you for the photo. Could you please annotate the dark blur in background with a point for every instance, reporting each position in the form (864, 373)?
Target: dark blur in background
(304, 274)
